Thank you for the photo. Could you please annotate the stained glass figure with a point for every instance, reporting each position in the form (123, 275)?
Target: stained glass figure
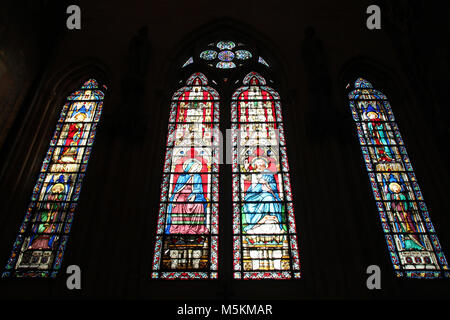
(187, 232)
(265, 237)
(42, 239)
(412, 242)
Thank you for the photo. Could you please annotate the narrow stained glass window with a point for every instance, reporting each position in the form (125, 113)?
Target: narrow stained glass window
(187, 231)
(265, 238)
(39, 247)
(412, 242)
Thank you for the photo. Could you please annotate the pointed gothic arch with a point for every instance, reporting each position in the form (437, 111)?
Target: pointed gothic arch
(223, 53)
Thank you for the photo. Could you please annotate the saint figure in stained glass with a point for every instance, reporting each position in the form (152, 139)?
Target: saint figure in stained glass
(187, 209)
(262, 208)
(413, 245)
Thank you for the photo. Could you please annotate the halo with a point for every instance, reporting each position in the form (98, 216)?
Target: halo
(372, 112)
(196, 167)
(395, 187)
(81, 113)
(260, 158)
(58, 188)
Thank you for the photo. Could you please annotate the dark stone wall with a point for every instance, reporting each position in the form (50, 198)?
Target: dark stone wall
(112, 237)
(27, 35)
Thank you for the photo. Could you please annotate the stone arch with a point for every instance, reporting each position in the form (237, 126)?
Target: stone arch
(387, 80)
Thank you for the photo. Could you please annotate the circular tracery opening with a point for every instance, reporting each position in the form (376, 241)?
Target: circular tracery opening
(225, 56)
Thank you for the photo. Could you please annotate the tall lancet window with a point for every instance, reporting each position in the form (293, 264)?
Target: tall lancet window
(187, 231)
(412, 242)
(42, 239)
(265, 238)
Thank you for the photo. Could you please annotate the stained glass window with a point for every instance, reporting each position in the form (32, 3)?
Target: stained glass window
(265, 239)
(187, 231)
(411, 239)
(42, 239)
(227, 57)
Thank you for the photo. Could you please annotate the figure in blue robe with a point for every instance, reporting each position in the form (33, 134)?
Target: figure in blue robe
(262, 199)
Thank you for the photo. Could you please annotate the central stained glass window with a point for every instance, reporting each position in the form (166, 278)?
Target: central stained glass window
(264, 233)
